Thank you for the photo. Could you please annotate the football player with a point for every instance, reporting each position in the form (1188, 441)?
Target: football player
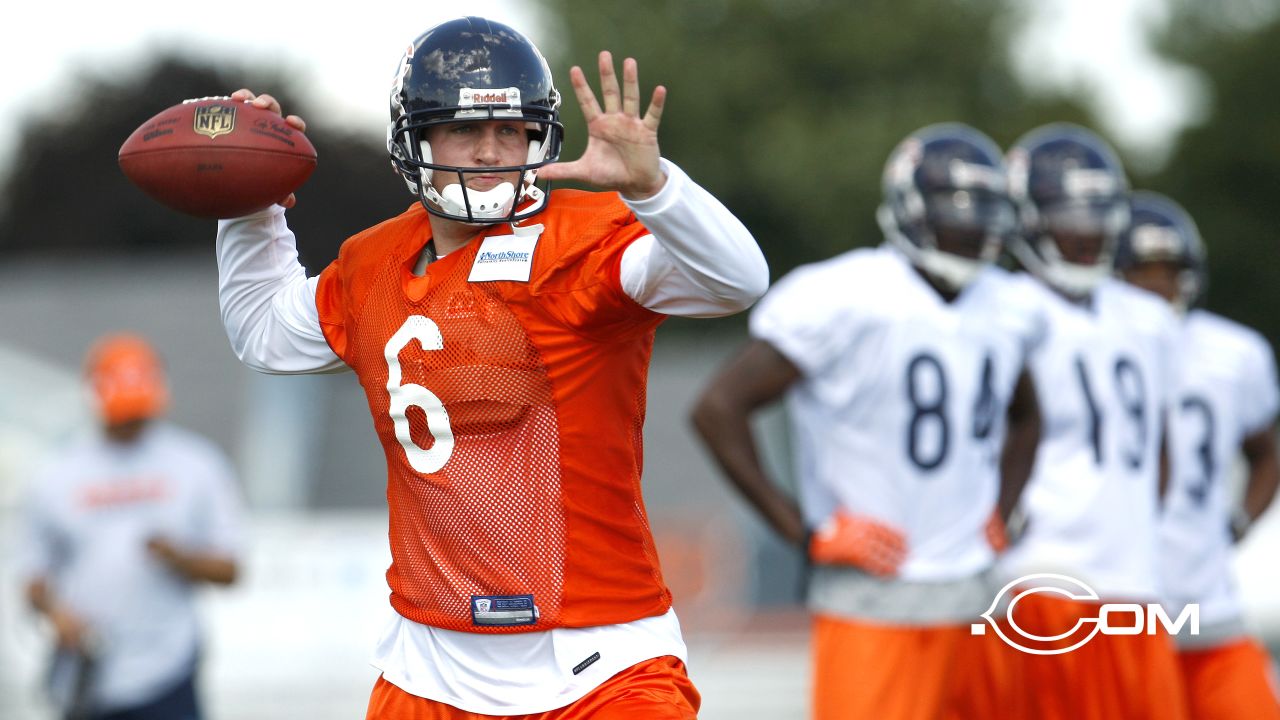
(1225, 406)
(502, 334)
(1091, 504)
(913, 418)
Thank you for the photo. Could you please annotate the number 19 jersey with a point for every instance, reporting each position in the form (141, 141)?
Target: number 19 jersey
(1105, 375)
(900, 411)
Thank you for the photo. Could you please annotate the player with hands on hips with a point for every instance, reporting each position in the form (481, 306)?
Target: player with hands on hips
(1092, 502)
(902, 368)
(1224, 406)
(502, 333)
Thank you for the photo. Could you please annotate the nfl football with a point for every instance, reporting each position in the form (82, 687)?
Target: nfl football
(217, 158)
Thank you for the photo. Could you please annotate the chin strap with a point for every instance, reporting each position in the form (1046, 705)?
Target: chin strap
(1071, 278)
(484, 204)
(952, 271)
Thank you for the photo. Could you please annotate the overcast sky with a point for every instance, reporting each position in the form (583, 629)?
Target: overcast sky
(350, 53)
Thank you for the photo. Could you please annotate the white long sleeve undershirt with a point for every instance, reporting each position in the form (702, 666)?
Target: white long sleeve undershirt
(699, 261)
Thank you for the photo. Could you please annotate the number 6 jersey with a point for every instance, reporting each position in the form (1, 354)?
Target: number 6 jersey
(900, 412)
(507, 386)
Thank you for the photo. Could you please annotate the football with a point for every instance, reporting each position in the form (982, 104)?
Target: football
(217, 158)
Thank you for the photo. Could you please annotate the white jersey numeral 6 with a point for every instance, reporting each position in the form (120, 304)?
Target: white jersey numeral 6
(403, 397)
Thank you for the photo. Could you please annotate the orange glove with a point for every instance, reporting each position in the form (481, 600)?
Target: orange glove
(997, 537)
(860, 541)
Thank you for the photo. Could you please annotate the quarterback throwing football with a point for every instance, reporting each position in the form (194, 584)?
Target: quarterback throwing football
(502, 335)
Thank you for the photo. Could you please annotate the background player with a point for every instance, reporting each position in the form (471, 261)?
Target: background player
(902, 367)
(1091, 505)
(120, 529)
(1225, 406)
(505, 364)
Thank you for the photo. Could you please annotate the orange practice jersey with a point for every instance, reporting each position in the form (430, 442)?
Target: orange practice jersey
(511, 415)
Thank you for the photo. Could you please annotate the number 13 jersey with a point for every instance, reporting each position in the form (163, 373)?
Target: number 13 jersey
(900, 411)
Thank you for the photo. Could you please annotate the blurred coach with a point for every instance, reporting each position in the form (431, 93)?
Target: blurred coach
(119, 530)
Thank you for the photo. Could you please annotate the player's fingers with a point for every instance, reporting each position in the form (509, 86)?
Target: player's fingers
(879, 566)
(267, 102)
(630, 88)
(582, 90)
(296, 122)
(609, 83)
(887, 549)
(653, 115)
(561, 171)
(289, 201)
(243, 95)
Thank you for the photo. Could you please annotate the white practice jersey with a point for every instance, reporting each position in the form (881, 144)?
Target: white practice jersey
(88, 517)
(900, 412)
(1105, 374)
(1226, 392)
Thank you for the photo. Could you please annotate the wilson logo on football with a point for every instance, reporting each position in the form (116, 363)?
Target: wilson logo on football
(1110, 619)
(215, 120)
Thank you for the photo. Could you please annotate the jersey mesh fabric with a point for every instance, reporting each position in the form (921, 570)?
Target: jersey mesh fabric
(542, 383)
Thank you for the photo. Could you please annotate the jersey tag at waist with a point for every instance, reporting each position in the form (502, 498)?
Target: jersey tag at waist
(503, 610)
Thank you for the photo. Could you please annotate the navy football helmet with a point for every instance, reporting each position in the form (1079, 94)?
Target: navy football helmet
(1160, 230)
(946, 204)
(1072, 197)
(473, 69)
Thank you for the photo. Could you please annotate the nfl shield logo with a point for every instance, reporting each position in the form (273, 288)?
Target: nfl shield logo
(483, 605)
(215, 120)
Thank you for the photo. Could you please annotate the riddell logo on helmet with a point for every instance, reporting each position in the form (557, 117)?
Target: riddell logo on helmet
(1112, 618)
(485, 96)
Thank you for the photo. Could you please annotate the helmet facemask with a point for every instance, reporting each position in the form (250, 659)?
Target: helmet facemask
(1074, 241)
(413, 158)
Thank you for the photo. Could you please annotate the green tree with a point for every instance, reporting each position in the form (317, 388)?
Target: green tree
(1226, 169)
(787, 109)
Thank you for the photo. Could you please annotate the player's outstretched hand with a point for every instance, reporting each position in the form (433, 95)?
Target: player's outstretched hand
(622, 146)
(268, 102)
(860, 541)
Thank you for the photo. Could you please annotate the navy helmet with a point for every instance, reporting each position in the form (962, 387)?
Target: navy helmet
(1160, 230)
(946, 202)
(1072, 198)
(473, 69)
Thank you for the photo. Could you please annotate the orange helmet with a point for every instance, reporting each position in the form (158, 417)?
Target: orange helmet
(127, 379)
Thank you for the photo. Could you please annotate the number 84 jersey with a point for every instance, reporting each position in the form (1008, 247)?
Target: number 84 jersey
(899, 414)
(1105, 376)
